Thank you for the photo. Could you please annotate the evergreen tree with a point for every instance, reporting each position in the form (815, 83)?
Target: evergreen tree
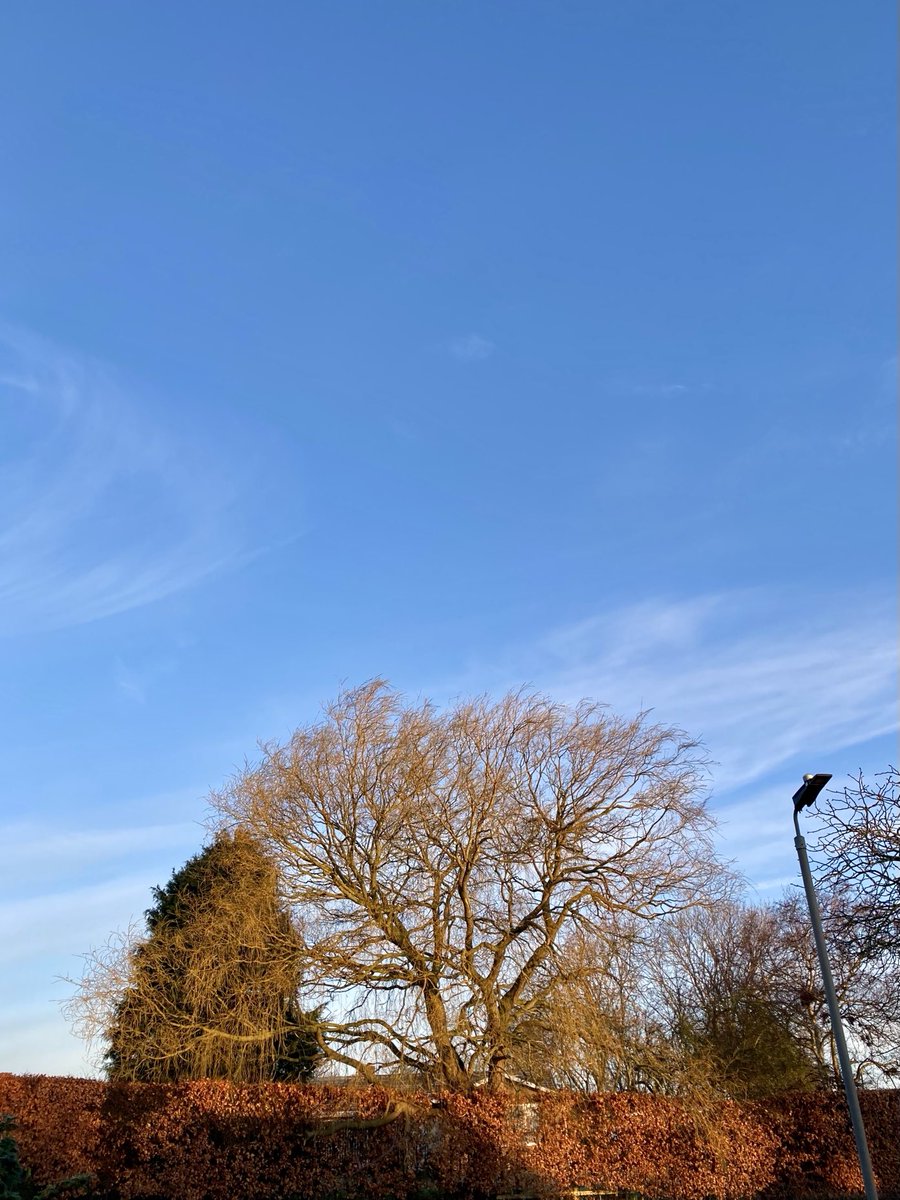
(212, 989)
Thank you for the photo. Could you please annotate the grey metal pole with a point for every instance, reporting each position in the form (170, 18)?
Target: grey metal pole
(837, 1028)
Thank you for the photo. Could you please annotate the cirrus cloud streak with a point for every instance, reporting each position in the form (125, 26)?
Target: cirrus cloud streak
(104, 508)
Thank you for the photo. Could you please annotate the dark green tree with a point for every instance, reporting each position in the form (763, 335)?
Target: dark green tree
(16, 1182)
(211, 990)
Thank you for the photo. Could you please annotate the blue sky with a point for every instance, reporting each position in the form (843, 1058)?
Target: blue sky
(466, 344)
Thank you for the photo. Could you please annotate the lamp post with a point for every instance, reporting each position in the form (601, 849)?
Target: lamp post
(803, 798)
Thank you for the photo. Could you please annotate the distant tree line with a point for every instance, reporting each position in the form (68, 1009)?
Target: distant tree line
(509, 890)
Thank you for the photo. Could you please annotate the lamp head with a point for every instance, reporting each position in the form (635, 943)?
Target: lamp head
(808, 790)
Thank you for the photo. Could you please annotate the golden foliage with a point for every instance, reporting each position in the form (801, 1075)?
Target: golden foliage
(437, 862)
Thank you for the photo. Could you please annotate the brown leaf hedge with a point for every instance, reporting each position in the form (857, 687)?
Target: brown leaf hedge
(209, 1140)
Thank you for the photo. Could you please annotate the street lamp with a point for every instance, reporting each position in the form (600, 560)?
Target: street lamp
(805, 796)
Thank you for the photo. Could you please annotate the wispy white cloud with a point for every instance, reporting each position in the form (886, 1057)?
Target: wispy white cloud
(129, 682)
(659, 391)
(68, 922)
(64, 892)
(135, 681)
(763, 681)
(758, 831)
(36, 850)
(653, 387)
(760, 678)
(102, 508)
(471, 348)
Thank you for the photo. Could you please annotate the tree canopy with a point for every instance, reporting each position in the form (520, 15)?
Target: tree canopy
(500, 889)
(439, 863)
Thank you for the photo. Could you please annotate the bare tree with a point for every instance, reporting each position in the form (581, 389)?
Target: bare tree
(858, 870)
(437, 862)
(729, 985)
(867, 987)
(858, 855)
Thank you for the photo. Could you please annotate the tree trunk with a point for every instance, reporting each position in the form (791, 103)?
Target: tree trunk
(454, 1072)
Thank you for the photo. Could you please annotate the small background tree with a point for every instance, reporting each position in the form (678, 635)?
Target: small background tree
(729, 987)
(858, 858)
(858, 872)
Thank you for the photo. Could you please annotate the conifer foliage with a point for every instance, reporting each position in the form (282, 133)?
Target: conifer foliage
(211, 990)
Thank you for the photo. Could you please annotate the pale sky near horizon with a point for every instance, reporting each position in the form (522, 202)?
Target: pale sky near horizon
(469, 345)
